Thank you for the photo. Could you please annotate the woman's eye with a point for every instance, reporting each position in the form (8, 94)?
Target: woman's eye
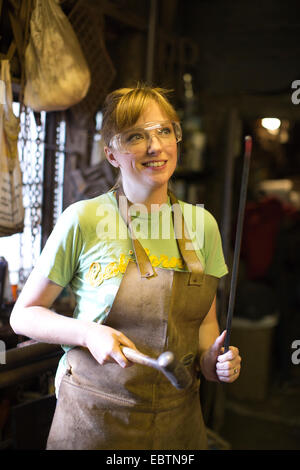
(134, 138)
(165, 131)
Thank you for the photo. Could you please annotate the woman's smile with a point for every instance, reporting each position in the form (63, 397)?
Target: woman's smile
(156, 164)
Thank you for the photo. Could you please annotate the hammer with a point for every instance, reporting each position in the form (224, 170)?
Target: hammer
(166, 363)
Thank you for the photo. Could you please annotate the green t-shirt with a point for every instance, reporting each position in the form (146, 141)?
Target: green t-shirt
(90, 247)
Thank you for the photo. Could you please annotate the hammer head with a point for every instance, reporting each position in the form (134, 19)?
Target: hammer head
(176, 372)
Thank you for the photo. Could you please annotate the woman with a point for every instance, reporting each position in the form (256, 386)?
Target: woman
(141, 281)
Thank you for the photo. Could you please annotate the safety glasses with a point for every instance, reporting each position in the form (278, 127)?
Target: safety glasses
(137, 139)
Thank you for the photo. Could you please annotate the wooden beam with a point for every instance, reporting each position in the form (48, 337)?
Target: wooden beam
(121, 14)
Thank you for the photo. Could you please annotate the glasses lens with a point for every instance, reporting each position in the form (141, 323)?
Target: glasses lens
(133, 139)
(178, 131)
(137, 139)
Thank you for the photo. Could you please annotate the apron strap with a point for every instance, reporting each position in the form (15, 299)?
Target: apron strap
(143, 262)
(189, 255)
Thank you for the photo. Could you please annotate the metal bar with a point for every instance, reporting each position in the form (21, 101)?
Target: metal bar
(17, 357)
(238, 239)
(20, 374)
(232, 125)
(151, 41)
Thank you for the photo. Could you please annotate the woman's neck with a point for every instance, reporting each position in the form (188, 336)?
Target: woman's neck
(153, 197)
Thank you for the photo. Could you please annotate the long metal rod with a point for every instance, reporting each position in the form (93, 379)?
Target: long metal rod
(25, 355)
(20, 374)
(151, 41)
(238, 239)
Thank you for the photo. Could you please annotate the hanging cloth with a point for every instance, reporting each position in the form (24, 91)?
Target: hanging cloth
(11, 197)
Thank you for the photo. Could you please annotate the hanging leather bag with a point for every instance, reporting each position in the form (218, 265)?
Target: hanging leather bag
(56, 72)
(11, 197)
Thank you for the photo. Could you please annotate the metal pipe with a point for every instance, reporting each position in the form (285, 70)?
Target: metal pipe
(151, 41)
(238, 239)
(32, 353)
(20, 374)
(231, 135)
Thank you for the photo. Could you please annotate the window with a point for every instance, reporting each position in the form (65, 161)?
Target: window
(21, 250)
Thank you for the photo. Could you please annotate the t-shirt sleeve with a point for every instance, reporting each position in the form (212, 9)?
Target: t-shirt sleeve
(215, 264)
(59, 258)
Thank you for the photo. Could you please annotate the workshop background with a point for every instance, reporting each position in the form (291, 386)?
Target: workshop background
(234, 71)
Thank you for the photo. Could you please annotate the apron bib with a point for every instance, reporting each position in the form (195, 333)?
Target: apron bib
(106, 407)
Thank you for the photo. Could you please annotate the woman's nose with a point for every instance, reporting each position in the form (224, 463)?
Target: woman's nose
(154, 144)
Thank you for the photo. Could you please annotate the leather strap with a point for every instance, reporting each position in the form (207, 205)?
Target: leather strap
(190, 257)
(145, 267)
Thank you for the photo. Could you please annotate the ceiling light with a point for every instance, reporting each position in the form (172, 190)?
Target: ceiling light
(271, 124)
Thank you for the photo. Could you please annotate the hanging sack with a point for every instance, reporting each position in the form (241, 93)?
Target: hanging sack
(11, 197)
(56, 72)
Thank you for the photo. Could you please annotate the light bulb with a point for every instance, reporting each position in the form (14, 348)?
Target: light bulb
(271, 124)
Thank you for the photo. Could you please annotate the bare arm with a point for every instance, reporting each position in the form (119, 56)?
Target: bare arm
(214, 364)
(33, 317)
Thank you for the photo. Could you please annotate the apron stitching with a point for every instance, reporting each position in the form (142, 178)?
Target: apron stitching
(136, 406)
(97, 392)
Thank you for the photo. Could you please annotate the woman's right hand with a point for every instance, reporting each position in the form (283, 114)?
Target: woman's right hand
(32, 317)
(104, 344)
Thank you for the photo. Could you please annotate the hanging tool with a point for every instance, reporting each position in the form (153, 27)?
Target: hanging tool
(238, 238)
(166, 363)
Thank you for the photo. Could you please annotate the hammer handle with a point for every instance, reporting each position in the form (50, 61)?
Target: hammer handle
(175, 372)
(139, 358)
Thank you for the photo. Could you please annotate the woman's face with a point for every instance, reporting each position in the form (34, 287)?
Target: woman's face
(154, 166)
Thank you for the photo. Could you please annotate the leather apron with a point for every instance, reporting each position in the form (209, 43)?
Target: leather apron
(137, 408)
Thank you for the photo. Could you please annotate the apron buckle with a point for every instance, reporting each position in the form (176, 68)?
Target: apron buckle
(195, 279)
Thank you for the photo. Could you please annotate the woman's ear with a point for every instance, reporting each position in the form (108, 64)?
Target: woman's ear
(110, 157)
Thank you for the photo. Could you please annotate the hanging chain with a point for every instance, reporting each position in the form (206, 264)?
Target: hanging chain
(32, 153)
(36, 190)
(56, 175)
(58, 169)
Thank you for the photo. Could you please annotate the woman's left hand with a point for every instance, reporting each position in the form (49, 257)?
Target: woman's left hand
(218, 366)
